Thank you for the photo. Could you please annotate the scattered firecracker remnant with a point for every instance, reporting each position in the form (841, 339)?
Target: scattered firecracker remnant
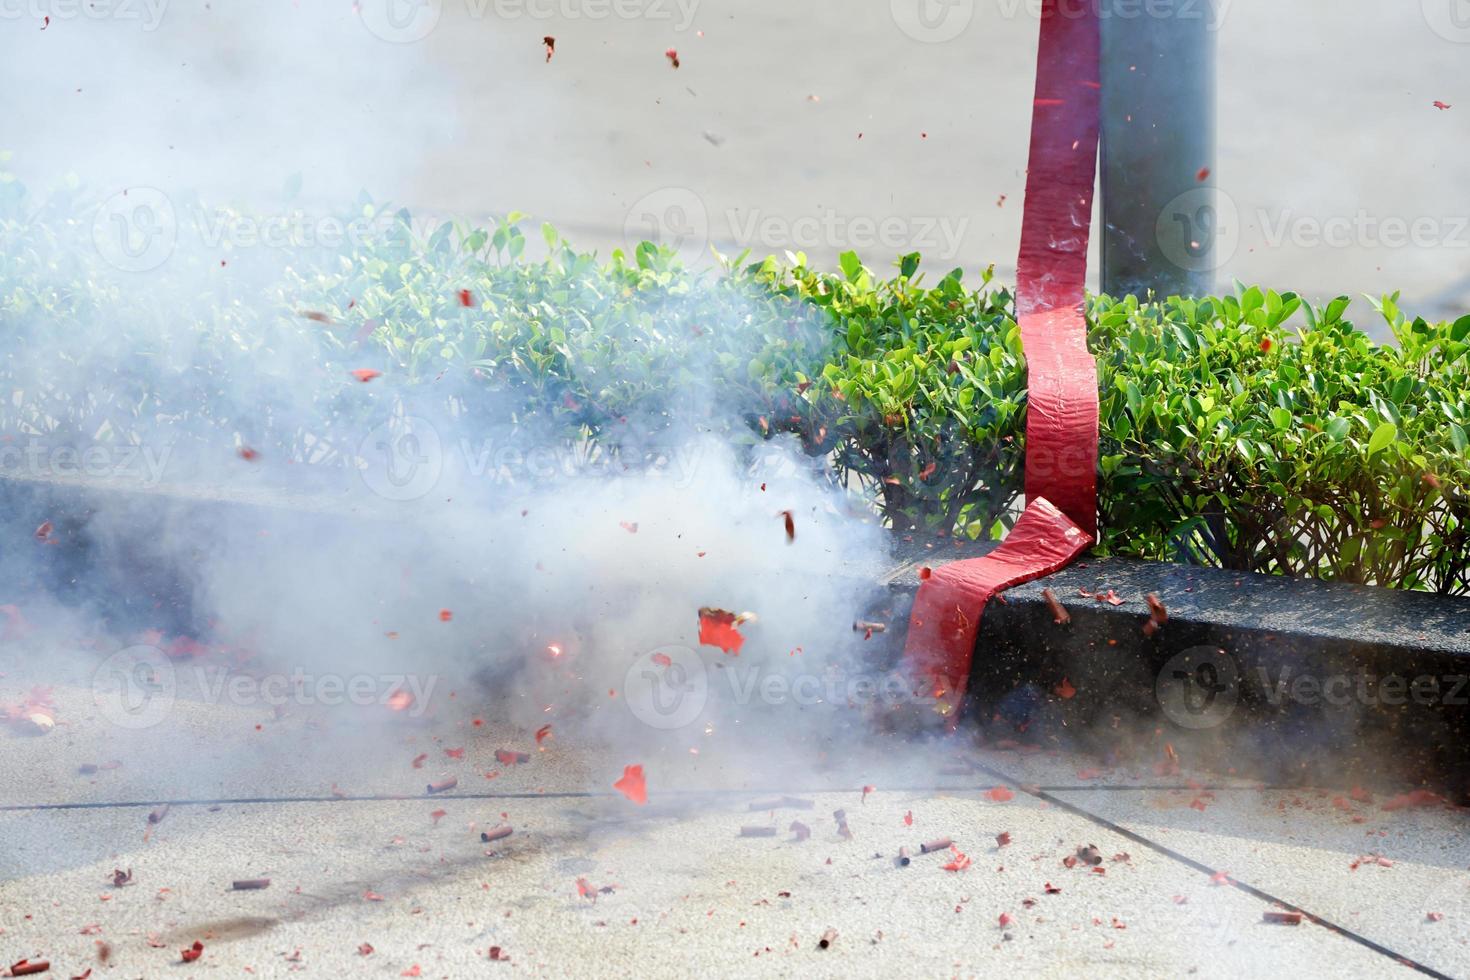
(1065, 690)
(866, 791)
(1203, 175)
(445, 615)
(466, 298)
(508, 758)
(903, 860)
(999, 794)
(418, 760)
(630, 526)
(156, 816)
(842, 829)
(1003, 839)
(1051, 889)
(662, 659)
(438, 815)
(250, 884)
(454, 753)
(1220, 878)
(1005, 920)
(801, 830)
(1281, 917)
(496, 833)
(959, 862)
(1434, 916)
(36, 715)
(499, 955)
(939, 844)
(543, 733)
(717, 628)
(828, 938)
(26, 967)
(120, 878)
(365, 949)
(371, 896)
(1442, 105)
(365, 374)
(193, 952)
(1266, 345)
(749, 831)
(868, 629)
(1059, 612)
(633, 785)
(1414, 798)
(413, 971)
(790, 525)
(908, 819)
(247, 454)
(400, 700)
(442, 785)
(1158, 615)
(44, 531)
(550, 43)
(585, 889)
(1089, 855)
(926, 573)
(673, 57)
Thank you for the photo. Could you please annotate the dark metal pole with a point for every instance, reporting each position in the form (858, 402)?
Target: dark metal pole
(1160, 223)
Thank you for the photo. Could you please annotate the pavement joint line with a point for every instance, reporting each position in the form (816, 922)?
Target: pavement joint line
(1191, 863)
(388, 798)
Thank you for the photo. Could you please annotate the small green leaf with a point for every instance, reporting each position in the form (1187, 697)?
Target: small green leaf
(1382, 437)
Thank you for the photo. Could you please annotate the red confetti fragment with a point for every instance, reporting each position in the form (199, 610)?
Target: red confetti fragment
(1005, 919)
(550, 43)
(630, 526)
(1434, 916)
(866, 791)
(961, 861)
(1000, 794)
(1052, 889)
(1203, 175)
(1220, 878)
(1003, 839)
(1266, 345)
(366, 374)
(673, 57)
(717, 629)
(365, 949)
(499, 955)
(1065, 690)
(1416, 798)
(371, 896)
(632, 785)
(1442, 105)
(928, 471)
(413, 971)
(44, 531)
(466, 298)
(790, 525)
(925, 573)
(543, 733)
(508, 758)
(662, 659)
(908, 819)
(193, 952)
(454, 753)
(585, 889)
(445, 615)
(438, 815)
(248, 455)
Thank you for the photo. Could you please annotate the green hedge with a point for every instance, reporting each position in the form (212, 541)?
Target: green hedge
(1250, 431)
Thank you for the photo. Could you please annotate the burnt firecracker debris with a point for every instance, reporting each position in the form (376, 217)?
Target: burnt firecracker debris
(903, 858)
(862, 626)
(942, 844)
(1058, 611)
(828, 938)
(158, 814)
(496, 833)
(27, 967)
(1280, 918)
(443, 785)
(251, 884)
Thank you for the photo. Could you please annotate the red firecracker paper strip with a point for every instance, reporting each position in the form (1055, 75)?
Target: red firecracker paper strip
(1060, 519)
